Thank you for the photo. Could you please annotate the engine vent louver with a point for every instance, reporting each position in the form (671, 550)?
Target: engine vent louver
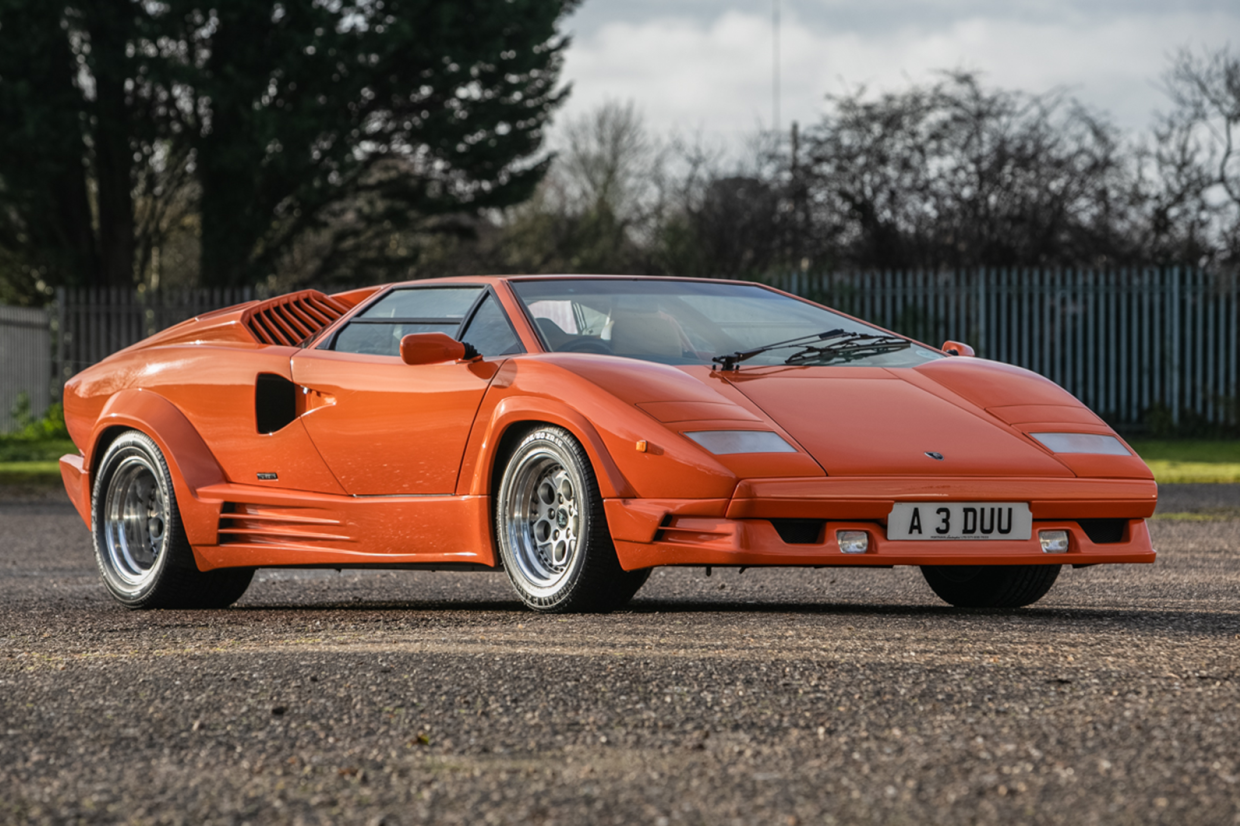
(292, 319)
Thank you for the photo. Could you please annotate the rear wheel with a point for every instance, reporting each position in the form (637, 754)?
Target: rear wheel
(552, 532)
(140, 545)
(990, 586)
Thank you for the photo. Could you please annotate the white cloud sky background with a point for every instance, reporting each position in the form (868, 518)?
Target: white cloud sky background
(696, 66)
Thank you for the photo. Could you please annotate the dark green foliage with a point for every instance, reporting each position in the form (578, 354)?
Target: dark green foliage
(45, 222)
(264, 122)
(409, 108)
(41, 439)
(731, 231)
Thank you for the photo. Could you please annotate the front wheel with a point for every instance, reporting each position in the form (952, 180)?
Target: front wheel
(990, 586)
(552, 532)
(140, 546)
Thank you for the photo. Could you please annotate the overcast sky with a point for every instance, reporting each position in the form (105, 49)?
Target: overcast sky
(698, 65)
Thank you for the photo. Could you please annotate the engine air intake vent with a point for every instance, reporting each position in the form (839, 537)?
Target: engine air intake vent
(292, 319)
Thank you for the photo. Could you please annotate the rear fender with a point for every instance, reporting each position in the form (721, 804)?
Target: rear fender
(190, 461)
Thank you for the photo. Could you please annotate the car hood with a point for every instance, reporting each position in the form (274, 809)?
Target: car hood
(867, 421)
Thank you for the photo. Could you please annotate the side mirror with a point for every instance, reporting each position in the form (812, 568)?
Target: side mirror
(430, 348)
(956, 348)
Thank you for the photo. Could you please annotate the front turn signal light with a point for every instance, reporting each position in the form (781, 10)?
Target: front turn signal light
(1054, 542)
(853, 542)
(1095, 443)
(724, 442)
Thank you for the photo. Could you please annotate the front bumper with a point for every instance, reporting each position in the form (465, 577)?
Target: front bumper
(740, 531)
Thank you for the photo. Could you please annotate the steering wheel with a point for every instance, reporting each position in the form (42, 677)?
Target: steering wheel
(586, 345)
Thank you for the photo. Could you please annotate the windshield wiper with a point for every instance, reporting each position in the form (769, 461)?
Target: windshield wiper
(850, 348)
(729, 362)
(841, 346)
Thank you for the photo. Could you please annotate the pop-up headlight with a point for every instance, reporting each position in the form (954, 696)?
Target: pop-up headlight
(722, 442)
(1082, 443)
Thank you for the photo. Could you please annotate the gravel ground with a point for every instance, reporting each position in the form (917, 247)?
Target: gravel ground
(786, 697)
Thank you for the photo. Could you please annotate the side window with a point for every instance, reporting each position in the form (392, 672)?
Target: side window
(489, 331)
(379, 329)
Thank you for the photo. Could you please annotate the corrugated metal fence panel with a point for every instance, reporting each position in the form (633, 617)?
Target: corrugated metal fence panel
(25, 361)
(1127, 342)
(94, 323)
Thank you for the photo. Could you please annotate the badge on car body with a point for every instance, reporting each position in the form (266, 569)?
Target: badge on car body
(938, 457)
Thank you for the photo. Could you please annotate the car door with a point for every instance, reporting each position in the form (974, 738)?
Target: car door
(389, 428)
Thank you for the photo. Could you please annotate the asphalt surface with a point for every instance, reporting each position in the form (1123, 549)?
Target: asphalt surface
(772, 697)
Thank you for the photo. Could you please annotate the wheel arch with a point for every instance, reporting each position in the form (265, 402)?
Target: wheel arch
(190, 462)
(516, 416)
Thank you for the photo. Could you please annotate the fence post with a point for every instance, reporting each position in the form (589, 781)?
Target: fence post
(1174, 402)
(61, 329)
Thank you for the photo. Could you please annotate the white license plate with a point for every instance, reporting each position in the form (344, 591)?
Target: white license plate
(960, 520)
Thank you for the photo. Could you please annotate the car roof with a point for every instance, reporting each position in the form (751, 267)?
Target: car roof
(491, 279)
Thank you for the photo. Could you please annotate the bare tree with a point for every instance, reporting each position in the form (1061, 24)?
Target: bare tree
(955, 175)
(723, 219)
(600, 206)
(1200, 142)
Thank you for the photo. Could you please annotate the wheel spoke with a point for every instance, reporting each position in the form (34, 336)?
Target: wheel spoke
(135, 517)
(543, 518)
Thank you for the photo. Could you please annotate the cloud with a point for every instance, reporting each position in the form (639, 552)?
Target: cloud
(714, 74)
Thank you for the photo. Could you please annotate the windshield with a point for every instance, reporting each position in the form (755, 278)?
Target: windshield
(692, 322)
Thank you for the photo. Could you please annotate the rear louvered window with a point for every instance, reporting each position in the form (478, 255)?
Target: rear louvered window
(292, 319)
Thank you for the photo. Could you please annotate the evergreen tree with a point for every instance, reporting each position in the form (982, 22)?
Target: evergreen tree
(270, 118)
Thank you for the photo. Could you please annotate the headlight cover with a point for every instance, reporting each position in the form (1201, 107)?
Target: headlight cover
(1095, 443)
(723, 442)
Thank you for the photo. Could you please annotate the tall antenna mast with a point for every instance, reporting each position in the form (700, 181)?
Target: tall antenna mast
(775, 73)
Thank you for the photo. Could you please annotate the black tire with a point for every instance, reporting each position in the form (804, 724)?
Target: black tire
(990, 586)
(140, 545)
(552, 531)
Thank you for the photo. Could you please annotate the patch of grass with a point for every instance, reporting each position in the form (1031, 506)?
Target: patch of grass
(32, 463)
(1185, 461)
(30, 467)
(1206, 451)
(34, 450)
(1207, 515)
(1200, 473)
(30, 474)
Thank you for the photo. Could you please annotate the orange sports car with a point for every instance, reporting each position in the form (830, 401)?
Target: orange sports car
(578, 432)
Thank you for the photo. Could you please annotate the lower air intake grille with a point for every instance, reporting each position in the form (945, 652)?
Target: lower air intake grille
(799, 531)
(1104, 531)
(292, 319)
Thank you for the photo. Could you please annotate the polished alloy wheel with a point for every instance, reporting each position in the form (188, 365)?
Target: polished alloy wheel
(140, 544)
(135, 517)
(544, 519)
(552, 530)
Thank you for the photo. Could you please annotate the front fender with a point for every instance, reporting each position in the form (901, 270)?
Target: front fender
(515, 410)
(609, 429)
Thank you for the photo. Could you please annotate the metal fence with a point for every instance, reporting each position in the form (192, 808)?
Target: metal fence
(94, 323)
(1132, 344)
(25, 361)
(1135, 345)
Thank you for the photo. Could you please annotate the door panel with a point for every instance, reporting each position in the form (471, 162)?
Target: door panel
(388, 428)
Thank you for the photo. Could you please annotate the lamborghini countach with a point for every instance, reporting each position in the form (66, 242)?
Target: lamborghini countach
(577, 432)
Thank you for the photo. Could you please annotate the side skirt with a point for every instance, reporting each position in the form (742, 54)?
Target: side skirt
(264, 527)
